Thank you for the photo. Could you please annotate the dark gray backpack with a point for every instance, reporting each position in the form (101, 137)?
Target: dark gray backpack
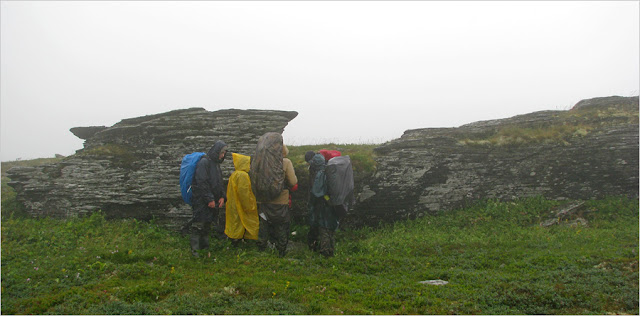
(267, 171)
(339, 173)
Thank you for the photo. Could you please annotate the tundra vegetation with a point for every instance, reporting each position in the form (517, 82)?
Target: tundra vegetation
(495, 256)
(561, 128)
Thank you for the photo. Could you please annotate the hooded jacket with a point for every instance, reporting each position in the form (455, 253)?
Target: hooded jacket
(242, 209)
(321, 214)
(207, 183)
(317, 176)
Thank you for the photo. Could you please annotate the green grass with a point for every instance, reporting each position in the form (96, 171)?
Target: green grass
(362, 156)
(513, 135)
(6, 165)
(495, 256)
(563, 128)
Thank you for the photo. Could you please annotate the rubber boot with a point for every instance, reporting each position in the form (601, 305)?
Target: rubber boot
(204, 242)
(195, 244)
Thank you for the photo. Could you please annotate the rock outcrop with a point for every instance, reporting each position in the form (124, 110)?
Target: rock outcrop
(588, 152)
(131, 169)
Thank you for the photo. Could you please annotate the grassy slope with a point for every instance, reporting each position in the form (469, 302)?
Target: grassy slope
(495, 256)
(565, 126)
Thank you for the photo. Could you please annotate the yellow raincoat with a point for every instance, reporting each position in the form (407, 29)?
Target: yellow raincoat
(242, 210)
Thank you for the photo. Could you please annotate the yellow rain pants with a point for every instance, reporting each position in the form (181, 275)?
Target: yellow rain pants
(242, 210)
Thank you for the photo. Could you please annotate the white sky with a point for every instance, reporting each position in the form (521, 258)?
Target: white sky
(356, 72)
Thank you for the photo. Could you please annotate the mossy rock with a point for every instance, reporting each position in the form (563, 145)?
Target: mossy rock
(122, 156)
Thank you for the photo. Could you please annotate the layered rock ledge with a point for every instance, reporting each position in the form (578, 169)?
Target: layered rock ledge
(588, 152)
(131, 169)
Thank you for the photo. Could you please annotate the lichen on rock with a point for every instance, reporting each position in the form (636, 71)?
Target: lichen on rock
(131, 169)
(586, 153)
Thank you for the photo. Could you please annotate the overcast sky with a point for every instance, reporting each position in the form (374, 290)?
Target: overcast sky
(356, 72)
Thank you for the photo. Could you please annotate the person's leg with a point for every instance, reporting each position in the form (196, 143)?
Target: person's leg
(327, 242)
(312, 238)
(219, 223)
(282, 238)
(263, 234)
(205, 233)
(235, 242)
(194, 238)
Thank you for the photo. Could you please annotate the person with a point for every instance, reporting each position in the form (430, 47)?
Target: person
(323, 220)
(208, 195)
(309, 155)
(242, 210)
(274, 216)
(312, 236)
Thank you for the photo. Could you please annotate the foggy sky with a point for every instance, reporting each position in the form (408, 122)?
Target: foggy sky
(356, 72)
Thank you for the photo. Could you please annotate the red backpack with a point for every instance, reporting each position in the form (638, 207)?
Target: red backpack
(328, 154)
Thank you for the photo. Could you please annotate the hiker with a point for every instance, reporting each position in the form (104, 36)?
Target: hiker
(340, 184)
(322, 219)
(242, 210)
(274, 215)
(312, 236)
(208, 196)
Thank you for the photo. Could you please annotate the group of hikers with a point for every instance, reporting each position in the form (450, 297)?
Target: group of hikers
(252, 213)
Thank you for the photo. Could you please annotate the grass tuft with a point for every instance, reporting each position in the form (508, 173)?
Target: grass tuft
(562, 129)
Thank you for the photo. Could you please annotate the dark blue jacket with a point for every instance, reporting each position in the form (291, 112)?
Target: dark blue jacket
(208, 184)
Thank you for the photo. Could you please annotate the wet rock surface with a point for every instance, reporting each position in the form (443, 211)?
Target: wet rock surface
(427, 171)
(131, 169)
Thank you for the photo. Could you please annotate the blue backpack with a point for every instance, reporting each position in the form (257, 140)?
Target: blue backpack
(187, 170)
